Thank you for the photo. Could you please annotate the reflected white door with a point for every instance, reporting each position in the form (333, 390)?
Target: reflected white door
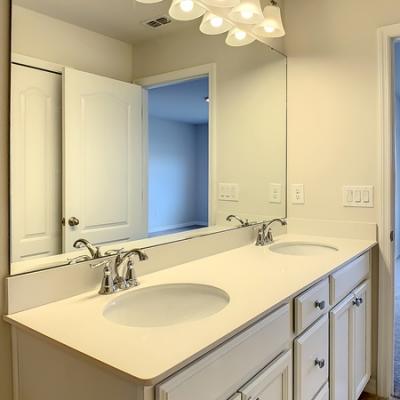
(103, 169)
(35, 163)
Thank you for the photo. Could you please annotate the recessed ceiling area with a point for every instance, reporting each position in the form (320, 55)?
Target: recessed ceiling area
(182, 101)
(119, 19)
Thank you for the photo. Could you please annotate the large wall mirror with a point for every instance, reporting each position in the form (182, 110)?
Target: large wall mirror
(130, 129)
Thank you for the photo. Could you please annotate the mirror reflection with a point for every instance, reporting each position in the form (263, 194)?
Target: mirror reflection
(131, 129)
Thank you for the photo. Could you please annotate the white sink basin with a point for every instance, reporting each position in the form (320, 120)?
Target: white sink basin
(165, 305)
(302, 249)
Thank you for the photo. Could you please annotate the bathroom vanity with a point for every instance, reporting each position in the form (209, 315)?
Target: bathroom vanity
(293, 327)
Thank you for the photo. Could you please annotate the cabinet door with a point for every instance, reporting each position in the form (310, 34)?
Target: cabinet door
(273, 382)
(341, 350)
(362, 337)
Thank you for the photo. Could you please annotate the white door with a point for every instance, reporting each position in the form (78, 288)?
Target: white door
(362, 337)
(341, 350)
(272, 383)
(35, 163)
(103, 172)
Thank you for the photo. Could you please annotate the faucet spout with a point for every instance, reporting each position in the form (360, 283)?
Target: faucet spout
(242, 223)
(93, 250)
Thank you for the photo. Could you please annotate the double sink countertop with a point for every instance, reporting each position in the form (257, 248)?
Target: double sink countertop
(256, 279)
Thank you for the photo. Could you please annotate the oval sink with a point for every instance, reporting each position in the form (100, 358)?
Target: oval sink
(165, 305)
(302, 249)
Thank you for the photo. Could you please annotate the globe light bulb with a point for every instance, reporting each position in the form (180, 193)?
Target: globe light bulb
(240, 35)
(186, 5)
(269, 29)
(246, 14)
(216, 22)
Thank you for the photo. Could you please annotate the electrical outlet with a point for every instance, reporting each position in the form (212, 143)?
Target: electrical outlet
(275, 193)
(297, 193)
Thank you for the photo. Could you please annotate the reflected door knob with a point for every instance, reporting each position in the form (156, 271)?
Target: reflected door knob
(73, 221)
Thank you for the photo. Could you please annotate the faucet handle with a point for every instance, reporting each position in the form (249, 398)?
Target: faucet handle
(130, 276)
(107, 283)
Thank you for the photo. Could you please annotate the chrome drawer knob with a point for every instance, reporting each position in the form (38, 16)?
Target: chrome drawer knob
(358, 301)
(320, 304)
(319, 363)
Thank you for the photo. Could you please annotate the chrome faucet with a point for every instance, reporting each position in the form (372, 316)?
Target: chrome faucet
(264, 235)
(242, 223)
(130, 279)
(93, 250)
(111, 284)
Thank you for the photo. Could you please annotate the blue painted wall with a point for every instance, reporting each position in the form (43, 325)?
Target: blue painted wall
(178, 174)
(397, 141)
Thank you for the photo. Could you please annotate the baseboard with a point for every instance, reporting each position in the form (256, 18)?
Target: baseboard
(158, 229)
(370, 387)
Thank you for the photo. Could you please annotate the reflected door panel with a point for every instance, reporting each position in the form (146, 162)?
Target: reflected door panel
(35, 163)
(103, 164)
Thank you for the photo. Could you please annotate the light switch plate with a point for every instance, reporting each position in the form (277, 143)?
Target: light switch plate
(297, 193)
(275, 193)
(228, 191)
(358, 196)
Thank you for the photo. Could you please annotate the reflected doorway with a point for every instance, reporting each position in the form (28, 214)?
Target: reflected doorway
(178, 156)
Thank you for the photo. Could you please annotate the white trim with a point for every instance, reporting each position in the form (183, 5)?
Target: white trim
(36, 63)
(209, 70)
(385, 211)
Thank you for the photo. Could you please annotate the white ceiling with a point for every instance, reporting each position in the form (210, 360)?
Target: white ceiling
(119, 19)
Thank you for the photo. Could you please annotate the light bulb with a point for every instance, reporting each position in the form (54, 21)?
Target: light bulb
(216, 22)
(269, 29)
(246, 14)
(186, 5)
(240, 35)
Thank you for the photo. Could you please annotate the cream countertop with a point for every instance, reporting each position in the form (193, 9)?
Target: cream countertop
(256, 279)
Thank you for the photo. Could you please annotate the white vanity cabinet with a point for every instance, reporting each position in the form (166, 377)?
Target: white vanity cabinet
(314, 345)
(350, 344)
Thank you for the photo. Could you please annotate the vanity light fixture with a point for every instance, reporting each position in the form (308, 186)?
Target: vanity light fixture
(213, 24)
(244, 19)
(272, 25)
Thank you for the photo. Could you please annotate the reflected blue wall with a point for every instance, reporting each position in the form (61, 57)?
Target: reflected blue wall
(178, 174)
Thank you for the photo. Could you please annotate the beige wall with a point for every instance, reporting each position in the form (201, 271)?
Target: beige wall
(50, 39)
(332, 100)
(250, 112)
(5, 343)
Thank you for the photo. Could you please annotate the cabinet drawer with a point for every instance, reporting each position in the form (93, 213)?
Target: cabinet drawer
(348, 277)
(323, 394)
(311, 360)
(224, 370)
(310, 305)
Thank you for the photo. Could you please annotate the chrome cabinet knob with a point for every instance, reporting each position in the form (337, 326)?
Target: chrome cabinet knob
(320, 304)
(319, 363)
(73, 221)
(358, 301)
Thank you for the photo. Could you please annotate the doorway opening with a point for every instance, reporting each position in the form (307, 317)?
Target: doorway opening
(396, 104)
(178, 156)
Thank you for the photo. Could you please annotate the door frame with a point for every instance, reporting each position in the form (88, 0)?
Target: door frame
(386, 211)
(180, 75)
